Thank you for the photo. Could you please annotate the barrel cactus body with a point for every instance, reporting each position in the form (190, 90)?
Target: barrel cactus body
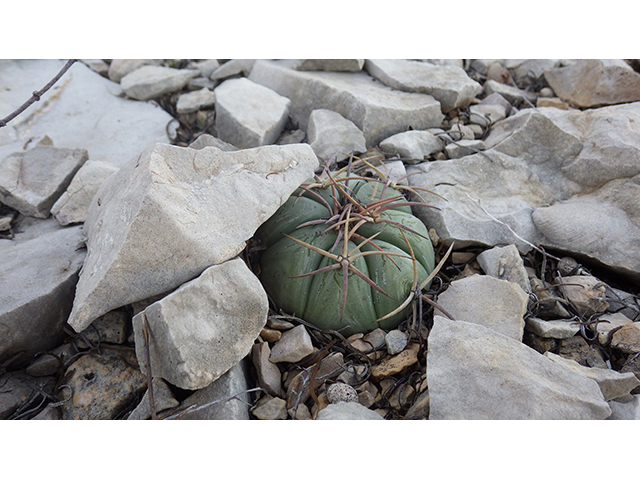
(344, 252)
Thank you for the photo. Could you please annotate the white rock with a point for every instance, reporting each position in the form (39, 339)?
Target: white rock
(416, 144)
(607, 328)
(32, 181)
(73, 204)
(339, 65)
(593, 83)
(37, 281)
(559, 329)
(194, 101)
(205, 327)
(330, 134)
(486, 114)
(269, 376)
(512, 94)
(293, 346)
(151, 227)
(459, 131)
(206, 140)
(119, 68)
(378, 111)
(347, 411)
(231, 68)
(150, 81)
(206, 67)
(505, 263)
(270, 408)
(497, 99)
(476, 373)
(488, 301)
(626, 408)
(80, 111)
(612, 384)
(535, 67)
(249, 115)
(462, 148)
(450, 85)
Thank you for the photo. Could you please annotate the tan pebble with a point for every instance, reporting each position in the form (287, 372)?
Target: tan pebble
(278, 324)
(365, 398)
(394, 365)
(627, 338)
(270, 335)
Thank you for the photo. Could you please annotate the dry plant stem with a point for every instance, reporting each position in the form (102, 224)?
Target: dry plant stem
(145, 333)
(37, 94)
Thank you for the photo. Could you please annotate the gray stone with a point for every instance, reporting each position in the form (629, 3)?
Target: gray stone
(627, 338)
(535, 67)
(151, 227)
(612, 384)
(206, 140)
(333, 136)
(225, 399)
(585, 292)
(231, 68)
(294, 345)
(459, 131)
(80, 111)
(109, 328)
(119, 68)
(593, 83)
(416, 144)
(610, 323)
(205, 327)
(206, 67)
(378, 111)
(49, 413)
(396, 341)
(52, 361)
(73, 204)
(497, 99)
(37, 280)
(551, 328)
(163, 399)
(450, 85)
(249, 115)
(293, 136)
(513, 94)
(151, 81)
(342, 392)
(347, 411)
(270, 408)
(462, 148)
(626, 408)
(194, 101)
(20, 392)
(268, 373)
(101, 386)
(486, 114)
(505, 263)
(488, 301)
(99, 66)
(476, 373)
(339, 65)
(32, 181)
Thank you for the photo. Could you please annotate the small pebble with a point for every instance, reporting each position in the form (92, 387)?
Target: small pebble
(341, 392)
(396, 341)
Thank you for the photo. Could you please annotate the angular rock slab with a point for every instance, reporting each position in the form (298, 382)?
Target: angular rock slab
(150, 81)
(249, 115)
(414, 144)
(327, 65)
(374, 108)
(496, 304)
(450, 85)
(505, 263)
(37, 283)
(82, 110)
(205, 327)
(73, 204)
(32, 181)
(593, 83)
(331, 135)
(172, 212)
(475, 373)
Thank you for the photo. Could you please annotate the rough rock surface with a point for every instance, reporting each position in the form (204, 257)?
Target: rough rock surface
(347, 411)
(150, 81)
(332, 136)
(338, 65)
(417, 144)
(502, 379)
(205, 327)
(154, 217)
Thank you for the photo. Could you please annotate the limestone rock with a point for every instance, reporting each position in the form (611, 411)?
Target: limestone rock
(37, 281)
(416, 144)
(205, 327)
(496, 304)
(231, 68)
(627, 338)
(513, 94)
(593, 83)
(206, 67)
(333, 136)
(462, 148)
(270, 408)
(378, 111)
(151, 81)
(249, 115)
(206, 140)
(476, 373)
(102, 385)
(505, 263)
(395, 340)
(151, 226)
(50, 362)
(626, 408)
(73, 204)
(20, 392)
(340, 65)
(163, 399)
(534, 67)
(486, 114)
(551, 328)
(194, 101)
(80, 111)
(119, 68)
(450, 85)
(397, 363)
(585, 292)
(32, 181)
(294, 345)
(269, 376)
(342, 392)
(610, 323)
(347, 411)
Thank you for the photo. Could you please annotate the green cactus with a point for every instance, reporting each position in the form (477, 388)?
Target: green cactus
(345, 253)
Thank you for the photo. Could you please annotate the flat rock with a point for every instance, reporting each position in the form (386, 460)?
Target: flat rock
(486, 114)
(627, 408)
(377, 110)
(476, 373)
(448, 84)
(606, 328)
(270, 408)
(532, 67)
(32, 181)
(462, 148)
(327, 65)
(205, 327)
(332, 136)
(416, 144)
(496, 304)
(194, 101)
(82, 110)
(593, 83)
(551, 328)
(248, 114)
(73, 204)
(118, 68)
(50, 362)
(347, 411)
(206, 140)
(395, 364)
(293, 346)
(37, 280)
(269, 376)
(505, 263)
(233, 67)
(612, 384)
(151, 227)
(151, 81)
(101, 385)
(585, 292)
(513, 94)
(627, 338)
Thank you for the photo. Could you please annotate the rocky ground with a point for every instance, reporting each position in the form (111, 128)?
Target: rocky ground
(131, 192)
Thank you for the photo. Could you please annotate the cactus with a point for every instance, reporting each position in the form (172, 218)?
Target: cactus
(345, 253)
